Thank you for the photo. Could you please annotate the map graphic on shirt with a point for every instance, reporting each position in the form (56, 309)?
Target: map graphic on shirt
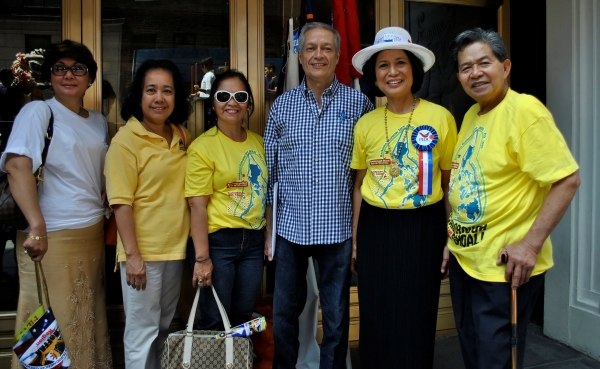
(468, 179)
(251, 189)
(409, 169)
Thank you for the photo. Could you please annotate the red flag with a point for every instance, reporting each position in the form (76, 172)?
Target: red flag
(345, 21)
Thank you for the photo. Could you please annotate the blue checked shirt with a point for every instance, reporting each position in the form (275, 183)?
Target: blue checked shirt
(308, 152)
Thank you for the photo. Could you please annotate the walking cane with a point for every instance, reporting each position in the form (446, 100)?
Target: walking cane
(513, 319)
(513, 323)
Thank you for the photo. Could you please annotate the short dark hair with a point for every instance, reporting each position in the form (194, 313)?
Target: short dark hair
(208, 62)
(271, 66)
(468, 37)
(232, 73)
(131, 105)
(417, 73)
(69, 49)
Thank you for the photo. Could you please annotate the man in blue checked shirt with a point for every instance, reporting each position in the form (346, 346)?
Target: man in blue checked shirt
(308, 144)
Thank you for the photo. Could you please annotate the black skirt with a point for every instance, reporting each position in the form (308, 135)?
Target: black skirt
(399, 258)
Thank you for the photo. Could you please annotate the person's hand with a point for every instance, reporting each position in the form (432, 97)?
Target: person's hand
(268, 246)
(135, 269)
(446, 256)
(353, 260)
(520, 259)
(35, 249)
(202, 274)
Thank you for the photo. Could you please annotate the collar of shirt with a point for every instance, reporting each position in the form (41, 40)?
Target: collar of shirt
(138, 128)
(329, 91)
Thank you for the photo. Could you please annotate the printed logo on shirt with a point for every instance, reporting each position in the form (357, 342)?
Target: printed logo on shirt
(381, 161)
(249, 191)
(408, 162)
(467, 179)
(237, 184)
(465, 236)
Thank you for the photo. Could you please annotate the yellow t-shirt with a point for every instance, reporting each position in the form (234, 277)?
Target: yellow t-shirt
(379, 188)
(143, 171)
(234, 175)
(502, 170)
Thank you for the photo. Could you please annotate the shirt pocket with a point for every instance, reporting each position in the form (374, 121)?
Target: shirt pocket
(343, 135)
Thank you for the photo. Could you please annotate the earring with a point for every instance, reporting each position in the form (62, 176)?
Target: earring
(89, 85)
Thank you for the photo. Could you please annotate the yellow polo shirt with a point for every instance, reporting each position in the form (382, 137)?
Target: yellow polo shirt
(145, 172)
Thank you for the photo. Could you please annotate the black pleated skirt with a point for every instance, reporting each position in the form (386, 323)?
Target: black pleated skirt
(399, 257)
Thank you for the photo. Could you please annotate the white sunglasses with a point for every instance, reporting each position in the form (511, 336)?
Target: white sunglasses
(223, 96)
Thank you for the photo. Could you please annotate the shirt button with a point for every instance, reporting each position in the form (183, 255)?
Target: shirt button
(317, 159)
(316, 180)
(316, 140)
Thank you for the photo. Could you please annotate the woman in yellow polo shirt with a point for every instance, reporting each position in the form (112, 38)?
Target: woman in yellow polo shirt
(145, 173)
(226, 183)
(402, 155)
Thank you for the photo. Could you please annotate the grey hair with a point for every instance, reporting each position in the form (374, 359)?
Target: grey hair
(313, 25)
(466, 38)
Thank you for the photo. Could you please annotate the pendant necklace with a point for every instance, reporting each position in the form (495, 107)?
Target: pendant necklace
(395, 167)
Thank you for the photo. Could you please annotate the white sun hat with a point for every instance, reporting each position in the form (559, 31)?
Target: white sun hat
(393, 38)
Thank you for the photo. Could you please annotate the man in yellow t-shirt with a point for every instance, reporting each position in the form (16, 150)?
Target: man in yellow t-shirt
(512, 179)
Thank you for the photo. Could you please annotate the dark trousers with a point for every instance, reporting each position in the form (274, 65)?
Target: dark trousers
(482, 315)
(289, 299)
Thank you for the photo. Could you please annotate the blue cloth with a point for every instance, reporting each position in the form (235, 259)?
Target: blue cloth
(237, 258)
(308, 152)
(289, 299)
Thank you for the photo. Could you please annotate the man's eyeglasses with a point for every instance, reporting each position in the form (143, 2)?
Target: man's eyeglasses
(223, 96)
(76, 69)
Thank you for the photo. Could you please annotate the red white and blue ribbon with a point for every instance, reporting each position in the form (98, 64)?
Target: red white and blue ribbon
(424, 138)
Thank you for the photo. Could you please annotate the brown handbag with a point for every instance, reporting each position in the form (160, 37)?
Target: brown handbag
(202, 349)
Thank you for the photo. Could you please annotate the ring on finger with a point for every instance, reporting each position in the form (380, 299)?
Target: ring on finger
(26, 251)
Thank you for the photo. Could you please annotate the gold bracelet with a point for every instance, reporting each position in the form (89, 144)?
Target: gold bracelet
(37, 238)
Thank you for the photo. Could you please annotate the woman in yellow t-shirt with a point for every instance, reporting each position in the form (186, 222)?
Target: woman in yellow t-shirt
(145, 174)
(226, 184)
(402, 156)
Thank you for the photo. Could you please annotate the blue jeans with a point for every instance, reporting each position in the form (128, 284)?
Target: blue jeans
(290, 296)
(237, 257)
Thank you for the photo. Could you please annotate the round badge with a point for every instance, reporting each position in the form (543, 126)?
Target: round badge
(424, 138)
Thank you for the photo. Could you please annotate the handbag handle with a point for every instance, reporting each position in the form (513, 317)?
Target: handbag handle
(188, 340)
(42, 288)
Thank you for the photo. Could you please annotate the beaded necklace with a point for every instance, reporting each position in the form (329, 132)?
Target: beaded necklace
(395, 167)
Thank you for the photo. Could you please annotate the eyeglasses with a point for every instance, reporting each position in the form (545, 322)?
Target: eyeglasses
(76, 69)
(223, 96)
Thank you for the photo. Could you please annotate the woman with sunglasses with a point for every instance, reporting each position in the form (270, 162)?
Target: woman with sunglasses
(145, 173)
(226, 182)
(65, 212)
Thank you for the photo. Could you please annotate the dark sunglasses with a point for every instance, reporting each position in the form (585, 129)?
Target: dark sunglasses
(223, 96)
(61, 70)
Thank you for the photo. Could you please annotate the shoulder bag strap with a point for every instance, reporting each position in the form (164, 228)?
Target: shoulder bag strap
(49, 133)
(41, 285)
(182, 134)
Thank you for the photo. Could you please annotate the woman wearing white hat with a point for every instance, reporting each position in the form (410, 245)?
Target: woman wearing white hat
(402, 156)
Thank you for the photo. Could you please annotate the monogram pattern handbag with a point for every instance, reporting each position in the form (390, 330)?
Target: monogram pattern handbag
(202, 349)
